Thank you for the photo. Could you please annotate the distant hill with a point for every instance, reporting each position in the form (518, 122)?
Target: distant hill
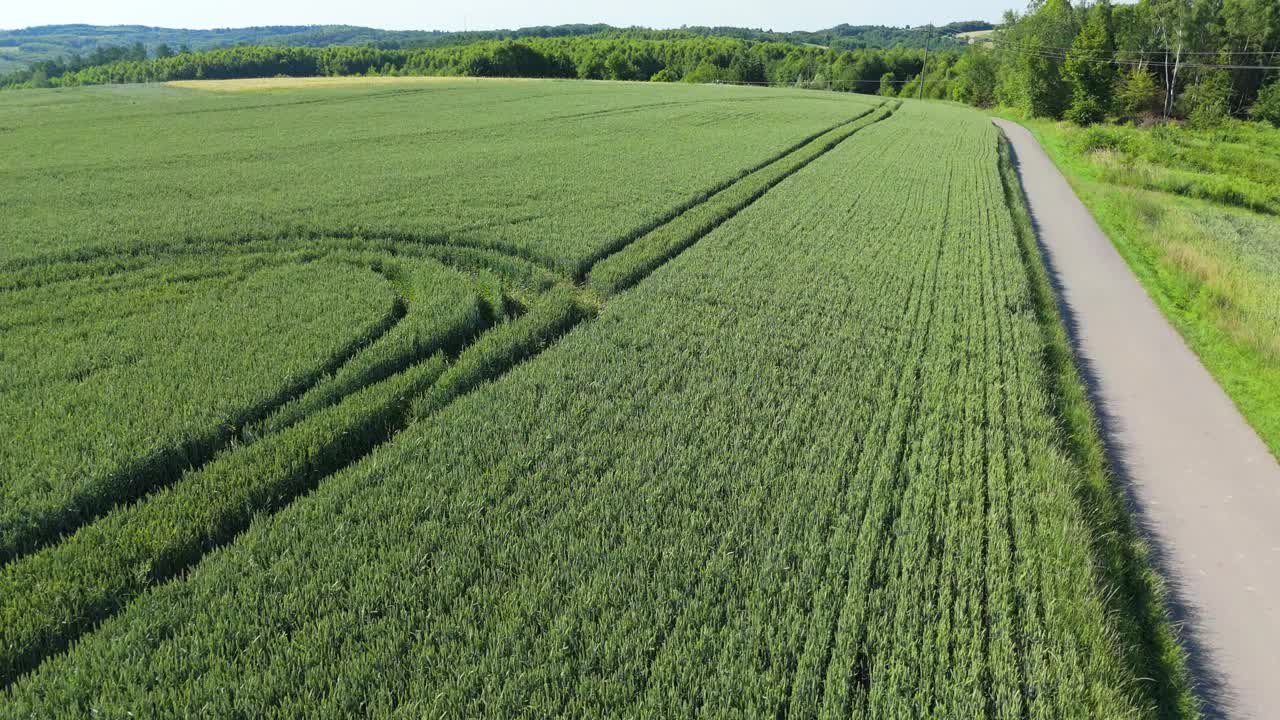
(854, 37)
(20, 48)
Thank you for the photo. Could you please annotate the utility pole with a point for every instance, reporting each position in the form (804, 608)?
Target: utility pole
(923, 66)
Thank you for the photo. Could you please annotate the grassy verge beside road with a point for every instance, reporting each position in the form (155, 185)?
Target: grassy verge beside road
(1194, 214)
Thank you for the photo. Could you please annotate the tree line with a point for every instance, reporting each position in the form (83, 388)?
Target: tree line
(1199, 60)
(63, 42)
(24, 47)
(46, 73)
(638, 55)
(840, 37)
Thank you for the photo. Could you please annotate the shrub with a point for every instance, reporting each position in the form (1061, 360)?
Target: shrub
(975, 81)
(1137, 95)
(1086, 110)
(666, 74)
(1207, 102)
(706, 72)
(1096, 137)
(1267, 106)
(619, 66)
(887, 88)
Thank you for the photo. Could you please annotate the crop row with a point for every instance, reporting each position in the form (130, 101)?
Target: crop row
(103, 405)
(209, 346)
(809, 467)
(144, 316)
(622, 269)
(444, 312)
(549, 173)
(51, 597)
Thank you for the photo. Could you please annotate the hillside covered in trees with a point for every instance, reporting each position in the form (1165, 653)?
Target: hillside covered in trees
(643, 55)
(24, 48)
(72, 45)
(1199, 60)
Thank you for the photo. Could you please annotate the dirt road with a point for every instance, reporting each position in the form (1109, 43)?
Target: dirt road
(1204, 486)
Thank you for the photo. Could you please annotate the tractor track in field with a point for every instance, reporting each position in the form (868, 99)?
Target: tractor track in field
(59, 638)
(392, 242)
(383, 95)
(1202, 486)
(158, 469)
(612, 112)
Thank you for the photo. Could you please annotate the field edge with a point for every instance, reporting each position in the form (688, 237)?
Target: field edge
(1137, 597)
(488, 356)
(1240, 371)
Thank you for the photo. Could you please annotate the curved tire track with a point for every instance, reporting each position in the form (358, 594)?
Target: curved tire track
(518, 345)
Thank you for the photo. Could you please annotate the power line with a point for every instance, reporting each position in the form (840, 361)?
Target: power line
(1114, 56)
(924, 65)
(1100, 56)
(1160, 52)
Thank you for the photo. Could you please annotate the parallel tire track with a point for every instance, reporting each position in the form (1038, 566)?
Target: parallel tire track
(39, 622)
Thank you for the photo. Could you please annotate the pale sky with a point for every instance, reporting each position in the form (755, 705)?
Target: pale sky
(491, 14)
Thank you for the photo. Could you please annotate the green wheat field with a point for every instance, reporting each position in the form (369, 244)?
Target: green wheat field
(466, 398)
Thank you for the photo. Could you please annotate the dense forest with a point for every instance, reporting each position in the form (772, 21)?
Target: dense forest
(1199, 60)
(24, 48)
(70, 44)
(640, 55)
(850, 37)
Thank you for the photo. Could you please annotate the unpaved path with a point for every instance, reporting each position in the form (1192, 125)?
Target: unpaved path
(1204, 486)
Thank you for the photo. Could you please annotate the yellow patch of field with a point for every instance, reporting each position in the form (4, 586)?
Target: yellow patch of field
(977, 36)
(288, 83)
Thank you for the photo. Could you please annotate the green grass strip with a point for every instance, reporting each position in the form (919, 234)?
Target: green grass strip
(506, 345)
(49, 598)
(527, 277)
(634, 262)
(445, 311)
(1147, 638)
(55, 511)
(613, 248)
